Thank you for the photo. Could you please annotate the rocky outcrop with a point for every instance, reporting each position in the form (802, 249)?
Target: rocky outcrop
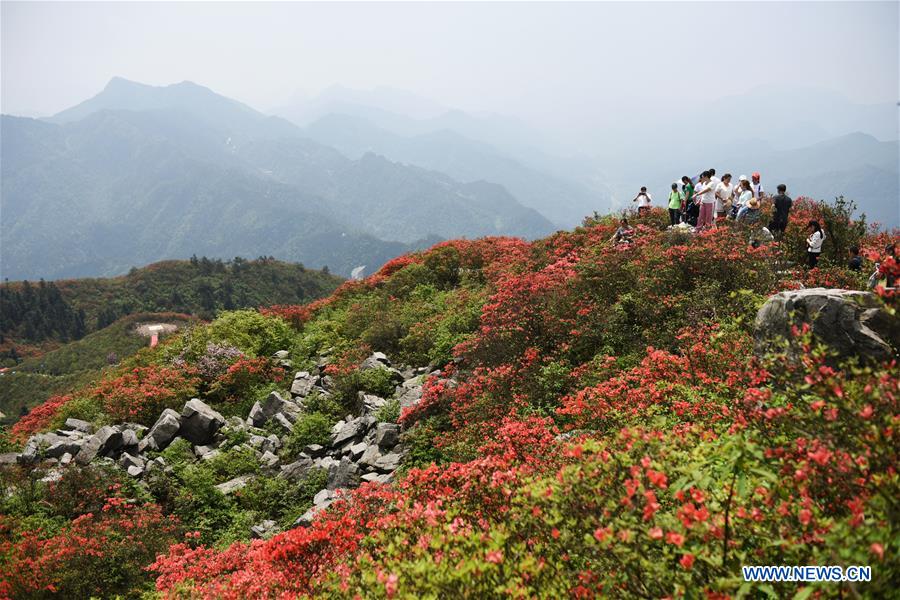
(360, 448)
(851, 323)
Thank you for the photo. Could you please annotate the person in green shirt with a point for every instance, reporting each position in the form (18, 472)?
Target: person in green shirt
(689, 209)
(675, 200)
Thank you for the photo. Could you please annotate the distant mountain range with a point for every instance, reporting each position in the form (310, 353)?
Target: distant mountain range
(139, 173)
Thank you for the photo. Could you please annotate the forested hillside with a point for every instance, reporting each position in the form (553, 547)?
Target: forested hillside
(64, 310)
(492, 418)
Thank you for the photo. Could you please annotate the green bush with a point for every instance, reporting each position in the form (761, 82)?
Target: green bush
(311, 428)
(389, 413)
(252, 333)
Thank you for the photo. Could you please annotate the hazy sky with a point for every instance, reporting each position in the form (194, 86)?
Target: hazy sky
(528, 60)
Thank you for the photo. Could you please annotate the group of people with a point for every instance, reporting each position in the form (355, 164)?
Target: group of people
(705, 200)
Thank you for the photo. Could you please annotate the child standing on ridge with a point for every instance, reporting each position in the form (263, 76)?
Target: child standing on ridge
(675, 201)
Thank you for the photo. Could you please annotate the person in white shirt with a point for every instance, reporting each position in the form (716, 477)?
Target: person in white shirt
(814, 243)
(756, 185)
(724, 193)
(643, 199)
(738, 203)
(706, 194)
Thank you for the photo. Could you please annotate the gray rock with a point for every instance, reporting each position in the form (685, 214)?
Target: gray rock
(322, 497)
(345, 474)
(378, 477)
(281, 355)
(233, 485)
(314, 450)
(370, 457)
(79, 425)
(199, 422)
(129, 460)
(411, 397)
(9, 458)
(52, 476)
(63, 446)
(388, 462)
(370, 403)
(297, 470)
(387, 435)
(135, 471)
(163, 431)
(325, 462)
(321, 502)
(211, 455)
(265, 410)
(201, 451)
(129, 438)
(264, 530)
(851, 323)
(30, 453)
(272, 444)
(356, 450)
(303, 384)
(106, 441)
(269, 459)
(283, 422)
(336, 428)
(65, 459)
(350, 430)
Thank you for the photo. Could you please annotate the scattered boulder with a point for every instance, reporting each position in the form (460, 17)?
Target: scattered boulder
(851, 323)
(370, 403)
(79, 425)
(345, 474)
(303, 384)
(411, 396)
(352, 429)
(163, 431)
(298, 469)
(264, 530)
(199, 422)
(388, 462)
(233, 485)
(106, 441)
(387, 435)
(129, 438)
(269, 459)
(268, 408)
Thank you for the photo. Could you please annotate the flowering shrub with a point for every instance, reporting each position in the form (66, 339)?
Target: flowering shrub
(217, 359)
(239, 380)
(140, 394)
(39, 418)
(97, 554)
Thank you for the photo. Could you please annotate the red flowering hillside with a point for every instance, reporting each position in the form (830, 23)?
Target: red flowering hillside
(598, 421)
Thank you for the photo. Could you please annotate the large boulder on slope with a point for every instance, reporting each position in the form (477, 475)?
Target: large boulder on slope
(163, 431)
(199, 422)
(851, 323)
